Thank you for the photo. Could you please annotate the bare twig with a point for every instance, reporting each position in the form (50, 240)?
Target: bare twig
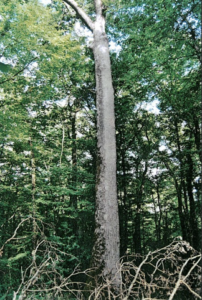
(159, 275)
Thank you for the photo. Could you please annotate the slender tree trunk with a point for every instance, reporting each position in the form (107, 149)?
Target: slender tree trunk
(197, 135)
(156, 220)
(166, 228)
(160, 212)
(158, 215)
(137, 236)
(73, 198)
(193, 216)
(33, 178)
(106, 251)
(124, 209)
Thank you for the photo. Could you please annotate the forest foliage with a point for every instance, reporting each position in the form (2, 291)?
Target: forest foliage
(48, 133)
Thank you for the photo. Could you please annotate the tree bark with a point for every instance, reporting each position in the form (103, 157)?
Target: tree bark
(124, 209)
(34, 208)
(193, 215)
(137, 235)
(106, 248)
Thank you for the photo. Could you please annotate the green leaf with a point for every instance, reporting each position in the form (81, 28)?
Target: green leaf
(5, 68)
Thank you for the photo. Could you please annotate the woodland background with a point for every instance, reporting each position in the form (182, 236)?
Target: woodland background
(48, 130)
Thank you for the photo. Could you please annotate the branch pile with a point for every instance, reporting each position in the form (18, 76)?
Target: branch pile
(170, 273)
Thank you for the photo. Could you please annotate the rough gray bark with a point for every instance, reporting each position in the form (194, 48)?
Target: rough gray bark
(106, 249)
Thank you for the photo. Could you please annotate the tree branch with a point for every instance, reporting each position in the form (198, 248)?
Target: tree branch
(84, 17)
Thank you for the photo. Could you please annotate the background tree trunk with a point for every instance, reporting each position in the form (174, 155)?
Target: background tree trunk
(33, 179)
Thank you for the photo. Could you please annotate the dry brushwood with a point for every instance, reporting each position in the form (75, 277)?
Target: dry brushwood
(172, 271)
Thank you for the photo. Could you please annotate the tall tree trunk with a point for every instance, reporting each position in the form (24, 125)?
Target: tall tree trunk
(33, 178)
(160, 212)
(197, 136)
(166, 228)
(73, 198)
(137, 235)
(193, 216)
(106, 251)
(124, 208)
